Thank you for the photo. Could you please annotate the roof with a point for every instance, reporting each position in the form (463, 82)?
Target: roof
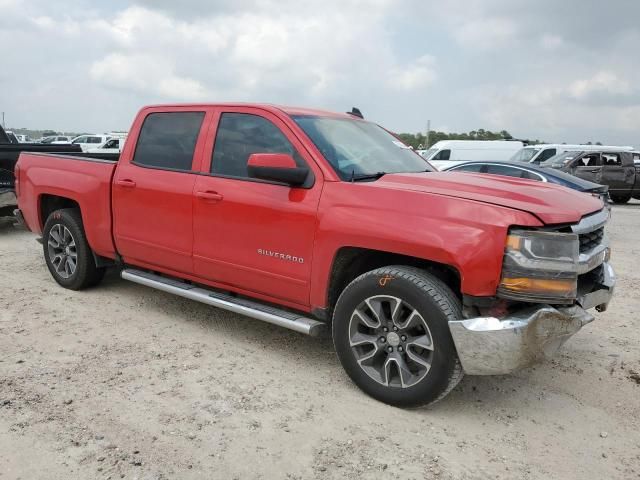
(289, 110)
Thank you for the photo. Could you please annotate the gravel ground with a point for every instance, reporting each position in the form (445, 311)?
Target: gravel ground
(122, 381)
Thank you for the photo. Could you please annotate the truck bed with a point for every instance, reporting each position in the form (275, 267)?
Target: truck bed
(82, 178)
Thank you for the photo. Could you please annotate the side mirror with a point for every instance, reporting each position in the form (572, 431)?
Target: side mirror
(276, 167)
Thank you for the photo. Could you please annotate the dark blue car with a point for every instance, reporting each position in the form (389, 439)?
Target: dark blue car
(533, 172)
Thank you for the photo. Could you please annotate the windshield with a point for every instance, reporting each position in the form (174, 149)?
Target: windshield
(524, 154)
(560, 159)
(358, 148)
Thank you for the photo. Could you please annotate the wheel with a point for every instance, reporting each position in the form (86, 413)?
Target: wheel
(391, 334)
(66, 251)
(620, 199)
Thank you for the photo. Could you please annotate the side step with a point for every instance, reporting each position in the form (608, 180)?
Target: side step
(249, 308)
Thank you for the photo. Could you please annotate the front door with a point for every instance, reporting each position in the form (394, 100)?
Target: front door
(250, 234)
(618, 174)
(589, 167)
(152, 193)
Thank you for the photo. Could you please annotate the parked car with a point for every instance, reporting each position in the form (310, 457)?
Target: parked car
(543, 152)
(534, 172)
(613, 168)
(89, 141)
(315, 220)
(446, 153)
(19, 138)
(9, 152)
(56, 140)
(636, 158)
(113, 145)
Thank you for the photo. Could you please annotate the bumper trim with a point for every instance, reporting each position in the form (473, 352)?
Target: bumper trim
(492, 346)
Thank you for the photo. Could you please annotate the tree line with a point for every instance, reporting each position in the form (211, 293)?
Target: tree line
(417, 140)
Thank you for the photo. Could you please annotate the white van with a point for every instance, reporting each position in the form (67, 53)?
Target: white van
(447, 153)
(542, 152)
(90, 141)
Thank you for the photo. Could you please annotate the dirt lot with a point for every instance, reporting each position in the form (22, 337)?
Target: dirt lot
(126, 382)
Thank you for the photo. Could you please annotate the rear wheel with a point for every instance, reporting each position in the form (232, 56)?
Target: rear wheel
(620, 199)
(67, 252)
(391, 334)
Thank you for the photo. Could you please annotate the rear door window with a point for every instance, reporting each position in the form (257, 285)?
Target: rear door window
(168, 139)
(611, 159)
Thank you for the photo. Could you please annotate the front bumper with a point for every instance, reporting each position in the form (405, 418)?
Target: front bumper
(493, 346)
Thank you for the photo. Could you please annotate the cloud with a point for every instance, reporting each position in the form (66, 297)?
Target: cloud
(556, 70)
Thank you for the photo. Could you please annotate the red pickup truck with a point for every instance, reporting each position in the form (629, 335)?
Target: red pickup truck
(314, 220)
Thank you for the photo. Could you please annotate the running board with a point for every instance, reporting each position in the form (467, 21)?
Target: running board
(249, 308)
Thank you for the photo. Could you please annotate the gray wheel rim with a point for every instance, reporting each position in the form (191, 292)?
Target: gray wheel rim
(61, 247)
(391, 341)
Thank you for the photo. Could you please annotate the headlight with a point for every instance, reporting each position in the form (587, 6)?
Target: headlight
(540, 266)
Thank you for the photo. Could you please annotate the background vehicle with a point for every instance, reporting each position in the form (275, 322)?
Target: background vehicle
(56, 139)
(19, 138)
(542, 152)
(89, 141)
(450, 152)
(113, 145)
(310, 219)
(534, 172)
(9, 152)
(612, 168)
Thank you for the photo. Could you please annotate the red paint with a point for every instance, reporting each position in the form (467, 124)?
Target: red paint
(275, 160)
(278, 243)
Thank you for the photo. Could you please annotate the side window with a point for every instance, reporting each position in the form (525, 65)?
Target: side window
(611, 159)
(590, 160)
(530, 176)
(80, 140)
(168, 140)
(472, 167)
(546, 154)
(240, 135)
(504, 170)
(442, 155)
(94, 140)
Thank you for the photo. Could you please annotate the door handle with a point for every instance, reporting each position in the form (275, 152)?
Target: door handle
(210, 196)
(594, 171)
(125, 182)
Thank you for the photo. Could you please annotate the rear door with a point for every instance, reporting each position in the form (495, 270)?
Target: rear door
(152, 193)
(618, 172)
(254, 235)
(588, 166)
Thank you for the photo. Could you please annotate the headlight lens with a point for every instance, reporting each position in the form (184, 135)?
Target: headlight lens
(540, 266)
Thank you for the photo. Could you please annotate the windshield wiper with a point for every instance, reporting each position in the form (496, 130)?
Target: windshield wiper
(365, 176)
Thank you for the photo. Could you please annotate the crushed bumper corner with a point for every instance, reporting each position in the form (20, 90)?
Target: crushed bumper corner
(492, 346)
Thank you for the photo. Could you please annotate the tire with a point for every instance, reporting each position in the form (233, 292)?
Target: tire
(363, 359)
(63, 236)
(620, 199)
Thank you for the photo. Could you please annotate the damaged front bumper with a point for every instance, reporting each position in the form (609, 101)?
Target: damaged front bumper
(494, 346)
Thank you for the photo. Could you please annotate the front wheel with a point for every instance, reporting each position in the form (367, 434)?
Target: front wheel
(391, 334)
(67, 252)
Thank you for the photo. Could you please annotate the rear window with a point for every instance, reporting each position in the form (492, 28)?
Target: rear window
(168, 140)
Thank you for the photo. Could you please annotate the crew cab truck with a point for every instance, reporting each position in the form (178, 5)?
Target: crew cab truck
(613, 168)
(315, 221)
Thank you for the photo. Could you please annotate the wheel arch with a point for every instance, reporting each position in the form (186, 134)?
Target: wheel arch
(351, 262)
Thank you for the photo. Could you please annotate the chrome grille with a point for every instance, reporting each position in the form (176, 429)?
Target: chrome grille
(590, 240)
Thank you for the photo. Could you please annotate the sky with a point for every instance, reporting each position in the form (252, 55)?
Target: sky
(560, 71)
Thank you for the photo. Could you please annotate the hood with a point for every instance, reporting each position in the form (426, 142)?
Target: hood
(552, 204)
